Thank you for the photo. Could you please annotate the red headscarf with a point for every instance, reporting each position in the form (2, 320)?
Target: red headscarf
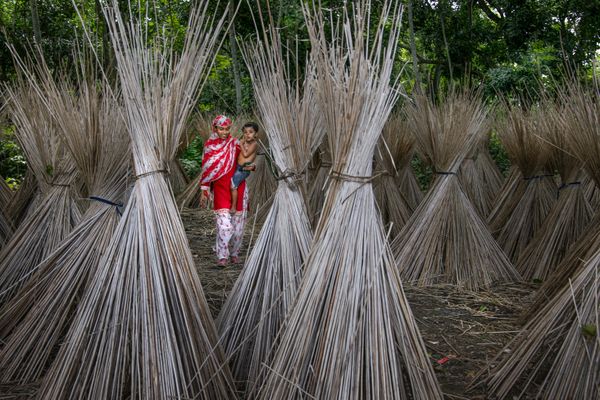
(219, 154)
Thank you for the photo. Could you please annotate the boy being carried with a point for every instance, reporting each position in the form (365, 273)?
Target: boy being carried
(245, 160)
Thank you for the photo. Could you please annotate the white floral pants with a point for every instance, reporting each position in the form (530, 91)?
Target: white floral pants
(230, 232)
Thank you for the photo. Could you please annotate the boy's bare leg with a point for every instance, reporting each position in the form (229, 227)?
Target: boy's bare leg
(234, 195)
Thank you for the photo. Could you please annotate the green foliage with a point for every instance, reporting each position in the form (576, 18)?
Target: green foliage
(522, 79)
(422, 171)
(12, 161)
(590, 331)
(499, 154)
(191, 158)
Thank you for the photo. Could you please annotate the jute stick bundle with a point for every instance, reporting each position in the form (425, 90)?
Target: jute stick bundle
(267, 286)
(262, 185)
(144, 330)
(351, 334)
(446, 240)
(393, 154)
(480, 178)
(559, 349)
(56, 214)
(34, 322)
(570, 214)
(535, 193)
(409, 185)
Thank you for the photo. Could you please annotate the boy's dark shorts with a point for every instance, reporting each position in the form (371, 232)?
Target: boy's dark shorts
(239, 176)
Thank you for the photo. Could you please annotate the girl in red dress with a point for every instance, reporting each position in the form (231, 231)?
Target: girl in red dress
(218, 166)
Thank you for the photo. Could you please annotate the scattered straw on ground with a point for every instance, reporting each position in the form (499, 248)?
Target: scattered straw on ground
(461, 330)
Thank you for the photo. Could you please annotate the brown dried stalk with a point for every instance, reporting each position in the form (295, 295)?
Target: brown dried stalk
(559, 349)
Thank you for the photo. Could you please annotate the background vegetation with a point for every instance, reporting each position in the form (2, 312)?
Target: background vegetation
(503, 46)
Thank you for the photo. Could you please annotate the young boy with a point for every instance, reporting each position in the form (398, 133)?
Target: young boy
(245, 160)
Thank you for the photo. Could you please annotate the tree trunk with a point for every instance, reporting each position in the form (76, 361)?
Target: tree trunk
(235, 63)
(413, 48)
(108, 59)
(445, 41)
(35, 22)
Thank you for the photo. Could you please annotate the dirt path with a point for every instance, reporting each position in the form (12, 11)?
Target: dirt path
(461, 330)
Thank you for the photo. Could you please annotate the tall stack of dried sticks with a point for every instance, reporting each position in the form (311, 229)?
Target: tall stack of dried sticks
(92, 127)
(392, 157)
(531, 192)
(351, 334)
(557, 352)
(56, 212)
(479, 176)
(144, 329)
(266, 288)
(446, 241)
(572, 212)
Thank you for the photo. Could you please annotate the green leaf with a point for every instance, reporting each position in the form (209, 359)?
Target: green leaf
(589, 330)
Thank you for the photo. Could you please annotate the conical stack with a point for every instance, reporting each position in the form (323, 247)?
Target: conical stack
(266, 288)
(34, 322)
(351, 334)
(393, 154)
(480, 178)
(56, 213)
(446, 241)
(144, 330)
(557, 353)
(570, 214)
(515, 222)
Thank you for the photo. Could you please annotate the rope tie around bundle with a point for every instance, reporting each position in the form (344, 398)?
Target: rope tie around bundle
(567, 186)
(534, 177)
(117, 206)
(340, 176)
(145, 174)
(293, 176)
(445, 173)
